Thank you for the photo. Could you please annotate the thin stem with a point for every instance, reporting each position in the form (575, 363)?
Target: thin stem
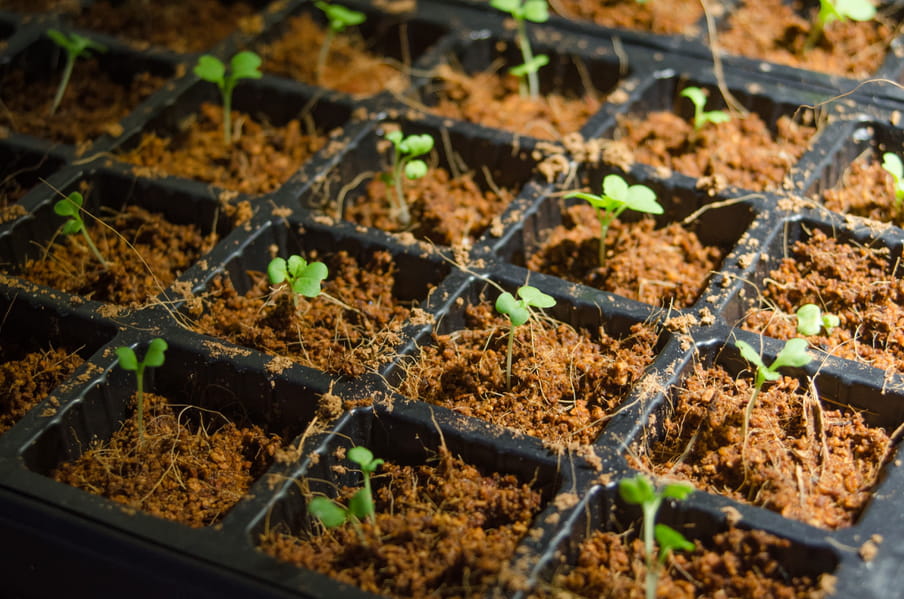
(533, 85)
(605, 217)
(404, 217)
(93, 248)
(649, 523)
(227, 115)
(64, 82)
(508, 358)
(815, 34)
(748, 413)
(324, 53)
(139, 377)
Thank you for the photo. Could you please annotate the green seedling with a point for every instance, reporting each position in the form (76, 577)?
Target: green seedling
(339, 18)
(794, 354)
(810, 320)
(360, 506)
(244, 65)
(71, 207)
(640, 491)
(617, 197)
(518, 312)
(892, 164)
(303, 278)
(522, 11)
(75, 46)
(153, 357)
(838, 10)
(701, 116)
(405, 165)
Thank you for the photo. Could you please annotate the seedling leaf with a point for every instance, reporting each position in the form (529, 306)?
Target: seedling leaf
(793, 354)
(669, 540)
(678, 491)
(127, 358)
(536, 11)
(536, 298)
(892, 163)
(154, 356)
(508, 305)
(277, 271)
(326, 510)
(361, 505)
(702, 116)
(245, 65)
(415, 169)
(750, 354)
(210, 68)
(637, 490)
(535, 64)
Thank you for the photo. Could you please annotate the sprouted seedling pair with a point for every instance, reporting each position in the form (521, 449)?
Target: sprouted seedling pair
(703, 117)
(535, 11)
(406, 164)
(302, 278)
(837, 10)
(71, 207)
(518, 312)
(361, 504)
(243, 65)
(75, 46)
(153, 358)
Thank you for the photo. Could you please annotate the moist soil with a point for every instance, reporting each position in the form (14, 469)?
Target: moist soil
(868, 190)
(260, 159)
(445, 209)
(777, 31)
(442, 530)
(181, 26)
(804, 461)
(351, 328)
(25, 381)
(92, 105)
(493, 100)
(350, 66)
(736, 563)
(144, 251)
(741, 152)
(665, 16)
(189, 466)
(854, 283)
(665, 266)
(565, 383)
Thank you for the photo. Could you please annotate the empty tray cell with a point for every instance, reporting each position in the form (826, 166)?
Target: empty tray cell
(353, 326)
(815, 446)
(362, 60)
(145, 233)
(469, 180)
(23, 168)
(105, 86)
(275, 130)
(209, 426)
(449, 508)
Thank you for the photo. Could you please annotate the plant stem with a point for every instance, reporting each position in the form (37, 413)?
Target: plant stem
(813, 37)
(748, 413)
(139, 377)
(64, 82)
(605, 217)
(508, 358)
(94, 249)
(227, 116)
(403, 215)
(324, 53)
(649, 523)
(533, 85)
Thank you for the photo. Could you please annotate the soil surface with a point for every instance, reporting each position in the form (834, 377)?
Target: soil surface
(441, 530)
(350, 334)
(92, 105)
(666, 266)
(181, 470)
(852, 282)
(776, 31)
(181, 26)
(866, 190)
(737, 563)
(34, 6)
(350, 67)
(445, 210)
(260, 159)
(144, 251)
(741, 152)
(804, 461)
(13, 187)
(565, 383)
(665, 16)
(493, 100)
(26, 381)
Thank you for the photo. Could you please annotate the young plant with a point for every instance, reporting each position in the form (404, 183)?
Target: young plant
(892, 164)
(701, 116)
(810, 320)
(617, 197)
(794, 354)
(153, 357)
(838, 10)
(361, 505)
(75, 46)
(71, 207)
(640, 491)
(303, 278)
(405, 165)
(518, 312)
(244, 65)
(535, 11)
(340, 18)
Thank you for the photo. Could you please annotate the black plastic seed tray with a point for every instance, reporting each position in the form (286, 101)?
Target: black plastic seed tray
(55, 538)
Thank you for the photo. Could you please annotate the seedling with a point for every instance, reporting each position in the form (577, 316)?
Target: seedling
(640, 491)
(793, 354)
(75, 45)
(339, 17)
(518, 312)
(360, 506)
(838, 10)
(617, 197)
(303, 278)
(71, 206)
(810, 320)
(153, 357)
(405, 165)
(701, 116)
(244, 65)
(892, 163)
(535, 11)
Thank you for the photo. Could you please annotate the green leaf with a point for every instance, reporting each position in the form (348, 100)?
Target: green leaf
(70, 205)
(245, 65)
(154, 356)
(856, 10)
(829, 322)
(809, 320)
(793, 354)
(509, 6)
(536, 298)
(210, 68)
(415, 169)
(72, 226)
(508, 305)
(395, 137)
(678, 491)
(127, 358)
(295, 265)
(531, 66)
(670, 539)
(892, 163)
(536, 11)
(341, 17)
(637, 491)
(308, 283)
(695, 95)
(415, 145)
(277, 271)
(750, 354)
(643, 199)
(361, 505)
(360, 455)
(326, 510)
(615, 187)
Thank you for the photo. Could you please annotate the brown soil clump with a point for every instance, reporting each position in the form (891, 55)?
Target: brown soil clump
(442, 530)
(866, 190)
(26, 381)
(667, 266)
(666, 17)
